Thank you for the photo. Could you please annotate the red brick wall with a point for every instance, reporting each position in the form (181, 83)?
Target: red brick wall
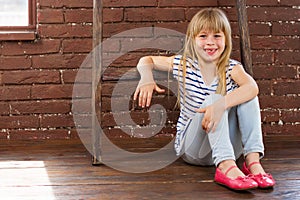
(36, 77)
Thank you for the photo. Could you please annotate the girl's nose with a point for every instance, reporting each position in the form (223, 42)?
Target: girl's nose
(210, 40)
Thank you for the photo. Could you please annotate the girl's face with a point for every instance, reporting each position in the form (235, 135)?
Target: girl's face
(210, 45)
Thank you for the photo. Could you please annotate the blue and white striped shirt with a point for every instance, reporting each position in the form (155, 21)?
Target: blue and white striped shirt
(194, 92)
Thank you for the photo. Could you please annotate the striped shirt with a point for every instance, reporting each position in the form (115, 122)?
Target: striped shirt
(194, 92)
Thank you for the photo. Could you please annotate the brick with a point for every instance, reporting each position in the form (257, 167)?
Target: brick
(85, 134)
(66, 3)
(290, 116)
(51, 91)
(82, 90)
(288, 57)
(83, 121)
(286, 129)
(128, 3)
(65, 39)
(227, 3)
(106, 103)
(117, 132)
(82, 76)
(55, 121)
(273, 14)
(58, 61)
(181, 27)
(27, 48)
(290, 2)
(48, 16)
(154, 14)
(173, 44)
(77, 45)
(236, 43)
(69, 76)
(273, 72)
(270, 116)
(190, 12)
(283, 102)
(232, 14)
(187, 3)
(113, 15)
(78, 16)
(120, 28)
(18, 122)
(235, 29)
(65, 31)
(263, 57)
(39, 134)
(236, 54)
(4, 108)
(112, 45)
(125, 60)
(14, 93)
(139, 132)
(3, 135)
(274, 42)
(81, 106)
(15, 62)
(286, 28)
(259, 29)
(263, 3)
(30, 77)
(40, 107)
(124, 88)
(265, 87)
(113, 74)
(133, 118)
(287, 87)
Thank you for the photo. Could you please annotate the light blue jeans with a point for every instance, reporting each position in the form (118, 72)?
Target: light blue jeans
(238, 132)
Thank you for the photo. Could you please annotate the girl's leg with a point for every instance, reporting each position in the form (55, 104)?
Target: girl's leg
(208, 148)
(250, 127)
(196, 146)
(197, 143)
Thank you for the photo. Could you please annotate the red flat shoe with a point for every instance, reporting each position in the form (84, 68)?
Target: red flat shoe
(239, 183)
(263, 180)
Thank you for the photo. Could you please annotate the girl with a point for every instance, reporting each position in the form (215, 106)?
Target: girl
(219, 111)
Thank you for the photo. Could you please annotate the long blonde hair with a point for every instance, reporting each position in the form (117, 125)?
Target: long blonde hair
(210, 19)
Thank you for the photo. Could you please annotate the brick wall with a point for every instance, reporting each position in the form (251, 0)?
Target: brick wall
(36, 77)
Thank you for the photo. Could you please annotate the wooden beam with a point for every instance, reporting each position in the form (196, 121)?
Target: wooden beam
(96, 80)
(245, 48)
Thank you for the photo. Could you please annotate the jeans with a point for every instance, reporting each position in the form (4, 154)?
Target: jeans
(238, 132)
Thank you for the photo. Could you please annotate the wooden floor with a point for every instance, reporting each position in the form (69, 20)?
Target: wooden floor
(62, 170)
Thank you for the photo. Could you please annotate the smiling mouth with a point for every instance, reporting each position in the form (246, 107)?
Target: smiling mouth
(210, 51)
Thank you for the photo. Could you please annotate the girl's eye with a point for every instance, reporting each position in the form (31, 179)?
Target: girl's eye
(202, 36)
(217, 35)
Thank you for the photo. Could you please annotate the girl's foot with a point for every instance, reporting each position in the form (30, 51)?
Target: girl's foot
(232, 177)
(234, 172)
(253, 167)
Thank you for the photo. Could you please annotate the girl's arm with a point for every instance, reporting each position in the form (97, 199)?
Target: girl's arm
(246, 91)
(147, 84)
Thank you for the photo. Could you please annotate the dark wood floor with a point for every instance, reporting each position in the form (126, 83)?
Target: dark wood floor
(62, 170)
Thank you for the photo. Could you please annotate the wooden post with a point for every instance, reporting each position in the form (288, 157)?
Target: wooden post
(96, 80)
(244, 36)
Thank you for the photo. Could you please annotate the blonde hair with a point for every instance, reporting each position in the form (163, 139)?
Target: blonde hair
(209, 19)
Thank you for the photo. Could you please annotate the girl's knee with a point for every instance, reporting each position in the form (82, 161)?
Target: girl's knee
(211, 99)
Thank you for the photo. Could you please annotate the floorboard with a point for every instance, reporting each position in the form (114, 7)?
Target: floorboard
(50, 169)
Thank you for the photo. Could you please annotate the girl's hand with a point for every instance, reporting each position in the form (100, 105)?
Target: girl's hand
(212, 115)
(145, 93)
